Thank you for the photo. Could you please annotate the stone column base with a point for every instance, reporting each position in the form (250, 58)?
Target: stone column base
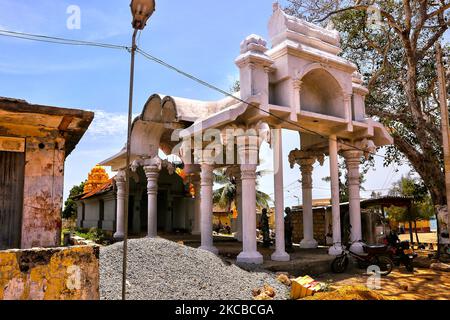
(210, 249)
(250, 257)
(335, 250)
(357, 247)
(280, 256)
(308, 244)
(118, 236)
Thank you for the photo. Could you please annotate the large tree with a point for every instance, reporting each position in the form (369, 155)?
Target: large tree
(421, 207)
(70, 206)
(396, 58)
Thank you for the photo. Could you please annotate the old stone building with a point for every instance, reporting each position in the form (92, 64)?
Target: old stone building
(34, 143)
(97, 208)
(299, 83)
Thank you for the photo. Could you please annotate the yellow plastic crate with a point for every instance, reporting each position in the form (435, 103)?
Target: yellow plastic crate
(304, 287)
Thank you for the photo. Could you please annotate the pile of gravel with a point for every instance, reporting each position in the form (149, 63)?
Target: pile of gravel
(163, 270)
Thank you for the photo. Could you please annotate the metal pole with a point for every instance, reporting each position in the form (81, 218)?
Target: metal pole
(127, 169)
(444, 121)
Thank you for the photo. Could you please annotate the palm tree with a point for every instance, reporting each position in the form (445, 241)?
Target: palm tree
(226, 195)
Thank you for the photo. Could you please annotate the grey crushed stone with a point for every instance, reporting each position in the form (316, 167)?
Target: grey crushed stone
(159, 269)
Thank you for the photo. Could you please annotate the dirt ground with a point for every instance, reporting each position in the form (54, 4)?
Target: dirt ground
(423, 284)
(423, 237)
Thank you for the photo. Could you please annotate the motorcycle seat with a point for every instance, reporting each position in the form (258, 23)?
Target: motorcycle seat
(374, 248)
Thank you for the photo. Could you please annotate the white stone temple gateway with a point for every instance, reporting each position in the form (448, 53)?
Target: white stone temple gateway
(300, 84)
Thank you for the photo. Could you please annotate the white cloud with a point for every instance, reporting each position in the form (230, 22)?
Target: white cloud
(111, 124)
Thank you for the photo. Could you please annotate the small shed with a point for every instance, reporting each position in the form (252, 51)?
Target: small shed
(34, 143)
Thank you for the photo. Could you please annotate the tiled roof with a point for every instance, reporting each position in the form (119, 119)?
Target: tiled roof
(99, 190)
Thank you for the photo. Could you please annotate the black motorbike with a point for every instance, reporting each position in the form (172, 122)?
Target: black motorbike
(401, 253)
(372, 256)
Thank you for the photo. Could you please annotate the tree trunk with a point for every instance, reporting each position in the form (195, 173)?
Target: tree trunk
(415, 229)
(411, 237)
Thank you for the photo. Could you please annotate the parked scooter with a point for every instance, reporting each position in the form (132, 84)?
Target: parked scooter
(373, 255)
(400, 251)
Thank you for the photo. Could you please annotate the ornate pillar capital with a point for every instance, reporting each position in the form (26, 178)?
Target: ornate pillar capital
(297, 84)
(306, 167)
(120, 177)
(365, 146)
(248, 171)
(348, 97)
(297, 156)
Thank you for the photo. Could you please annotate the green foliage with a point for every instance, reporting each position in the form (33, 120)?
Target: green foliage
(397, 61)
(226, 195)
(93, 234)
(70, 207)
(422, 206)
(236, 87)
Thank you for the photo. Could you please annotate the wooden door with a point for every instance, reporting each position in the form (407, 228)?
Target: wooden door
(12, 167)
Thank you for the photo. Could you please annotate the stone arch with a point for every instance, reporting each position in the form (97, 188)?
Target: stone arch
(321, 92)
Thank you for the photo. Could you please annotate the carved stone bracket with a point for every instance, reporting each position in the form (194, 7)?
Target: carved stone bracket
(154, 164)
(296, 156)
(365, 145)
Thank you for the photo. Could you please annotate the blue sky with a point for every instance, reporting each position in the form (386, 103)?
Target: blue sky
(199, 36)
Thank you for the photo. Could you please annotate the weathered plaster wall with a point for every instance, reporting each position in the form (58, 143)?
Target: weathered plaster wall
(319, 226)
(92, 214)
(109, 220)
(50, 274)
(43, 192)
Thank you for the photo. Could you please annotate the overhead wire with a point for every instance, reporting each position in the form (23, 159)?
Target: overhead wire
(65, 41)
(58, 40)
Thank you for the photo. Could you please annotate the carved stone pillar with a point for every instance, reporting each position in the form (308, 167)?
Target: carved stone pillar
(206, 198)
(353, 160)
(248, 152)
(249, 252)
(237, 176)
(280, 251)
(195, 180)
(152, 174)
(120, 179)
(308, 242)
(336, 249)
(348, 110)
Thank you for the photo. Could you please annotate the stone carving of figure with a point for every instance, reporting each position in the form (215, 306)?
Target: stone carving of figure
(288, 228)
(265, 228)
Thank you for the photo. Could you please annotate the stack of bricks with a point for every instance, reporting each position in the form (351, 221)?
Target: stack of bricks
(319, 225)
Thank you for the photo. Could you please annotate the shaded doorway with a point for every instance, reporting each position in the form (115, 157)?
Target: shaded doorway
(12, 168)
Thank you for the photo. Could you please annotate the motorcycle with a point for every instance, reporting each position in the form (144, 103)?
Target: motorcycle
(401, 253)
(373, 256)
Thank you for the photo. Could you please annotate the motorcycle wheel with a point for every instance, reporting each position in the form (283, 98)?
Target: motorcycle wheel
(385, 263)
(362, 265)
(339, 264)
(409, 266)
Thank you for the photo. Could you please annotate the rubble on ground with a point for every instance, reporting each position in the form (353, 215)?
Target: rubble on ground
(264, 293)
(440, 266)
(284, 279)
(159, 269)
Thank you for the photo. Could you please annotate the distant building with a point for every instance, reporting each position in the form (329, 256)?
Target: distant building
(175, 206)
(34, 143)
